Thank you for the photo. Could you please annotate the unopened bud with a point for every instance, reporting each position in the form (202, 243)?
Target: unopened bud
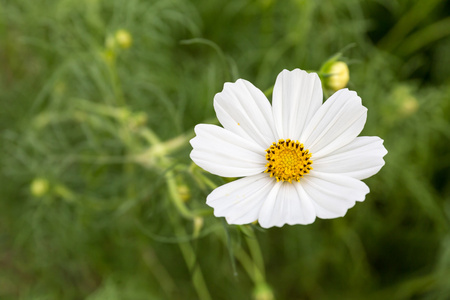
(123, 38)
(184, 192)
(405, 101)
(263, 292)
(337, 75)
(409, 106)
(39, 187)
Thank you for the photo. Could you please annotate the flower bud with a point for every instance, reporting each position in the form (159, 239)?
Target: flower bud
(337, 75)
(263, 292)
(123, 38)
(184, 192)
(405, 101)
(409, 106)
(39, 187)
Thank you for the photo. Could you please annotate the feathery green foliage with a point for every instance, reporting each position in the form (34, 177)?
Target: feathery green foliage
(98, 196)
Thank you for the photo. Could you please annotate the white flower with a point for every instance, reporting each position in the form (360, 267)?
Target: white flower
(299, 158)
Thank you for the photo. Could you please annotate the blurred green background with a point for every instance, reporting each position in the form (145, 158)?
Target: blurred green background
(98, 196)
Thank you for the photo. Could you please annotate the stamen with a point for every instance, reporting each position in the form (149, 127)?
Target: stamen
(288, 161)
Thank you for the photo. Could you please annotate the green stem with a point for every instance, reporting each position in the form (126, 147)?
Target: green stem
(254, 264)
(175, 197)
(255, 251)
(189, 257)
(117, 88)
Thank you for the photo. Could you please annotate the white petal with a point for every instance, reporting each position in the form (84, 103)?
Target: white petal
(337, 122)
(286, 204)
(244, 110)
(240, 201)
(333, 194)
(297, 96)
(360, 159)
(224, 153)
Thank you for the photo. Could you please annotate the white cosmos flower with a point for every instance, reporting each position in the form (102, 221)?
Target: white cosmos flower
(299, 159)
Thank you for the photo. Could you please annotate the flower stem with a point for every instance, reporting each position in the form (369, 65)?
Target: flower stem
(190, 258)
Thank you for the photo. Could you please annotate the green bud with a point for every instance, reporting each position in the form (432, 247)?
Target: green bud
(336, 75)
(184, 192)
(123, 38)
(405, 101)
(263, 291)
(39, 187)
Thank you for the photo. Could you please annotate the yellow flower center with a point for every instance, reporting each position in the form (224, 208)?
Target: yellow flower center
(288, 160)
